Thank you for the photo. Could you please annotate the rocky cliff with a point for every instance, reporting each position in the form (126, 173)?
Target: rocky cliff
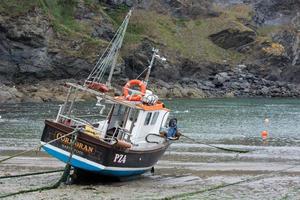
(220, 48)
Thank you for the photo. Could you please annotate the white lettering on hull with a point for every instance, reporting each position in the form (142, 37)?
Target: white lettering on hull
(120, 158)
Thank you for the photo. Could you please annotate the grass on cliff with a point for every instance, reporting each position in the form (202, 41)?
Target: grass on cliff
(189, 38)
(61, 14)
(59, 11)
(16, 8)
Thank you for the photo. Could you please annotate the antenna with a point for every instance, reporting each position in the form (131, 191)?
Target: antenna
(157, 56)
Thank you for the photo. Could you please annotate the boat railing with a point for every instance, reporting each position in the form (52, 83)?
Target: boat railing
(71, 121)
(120, 134)
(74, 121)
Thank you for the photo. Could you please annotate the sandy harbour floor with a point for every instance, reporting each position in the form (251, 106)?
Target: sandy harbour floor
(179, 175)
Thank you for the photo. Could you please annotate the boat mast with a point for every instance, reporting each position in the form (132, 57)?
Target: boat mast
(154, 55)
(119, 44)
(110, 56)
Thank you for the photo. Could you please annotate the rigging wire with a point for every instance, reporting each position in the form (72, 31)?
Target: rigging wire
(142, 73)
(110, 53)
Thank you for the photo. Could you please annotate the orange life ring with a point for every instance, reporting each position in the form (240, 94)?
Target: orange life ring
(134, 97)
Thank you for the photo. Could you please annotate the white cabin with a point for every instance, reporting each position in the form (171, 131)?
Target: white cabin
(133, 125)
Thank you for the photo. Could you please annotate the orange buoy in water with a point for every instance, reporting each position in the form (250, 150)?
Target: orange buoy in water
(264, 134)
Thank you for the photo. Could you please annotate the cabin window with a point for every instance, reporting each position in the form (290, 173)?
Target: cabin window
(133, 115)
(148, 118)
(119, 110)
(154, 118)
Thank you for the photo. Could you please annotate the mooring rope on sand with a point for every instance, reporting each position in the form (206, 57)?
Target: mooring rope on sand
(66, 172)
(220, 186)
(31, 174)
(38, 147)
(217, 147)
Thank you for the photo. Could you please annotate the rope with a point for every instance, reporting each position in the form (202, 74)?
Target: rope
(38, 147)
(221, 148)
(28, 191)
(66, 175)
(63, 178)
(220, 186)
(31, 174)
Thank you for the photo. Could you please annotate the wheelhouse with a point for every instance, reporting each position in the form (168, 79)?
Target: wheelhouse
(116, 119)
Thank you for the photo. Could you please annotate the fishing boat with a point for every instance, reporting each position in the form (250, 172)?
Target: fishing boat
(124, 137)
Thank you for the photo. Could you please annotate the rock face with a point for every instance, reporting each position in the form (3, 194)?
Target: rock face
(26, 54)
(10, 95)
(23, 47)
(181, 9)
(60, 40)
(275, 12)
(292, 74)
(233, 36)
(287, 39)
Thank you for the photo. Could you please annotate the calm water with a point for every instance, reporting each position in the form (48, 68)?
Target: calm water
(217, 121)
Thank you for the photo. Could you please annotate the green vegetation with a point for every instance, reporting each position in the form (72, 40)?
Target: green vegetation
(236, 12)
(16, 8)
(117, 15)
(61, 14)
(188, 38)
(266, 31)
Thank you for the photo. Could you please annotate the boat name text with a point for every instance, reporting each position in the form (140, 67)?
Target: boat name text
(78, 145)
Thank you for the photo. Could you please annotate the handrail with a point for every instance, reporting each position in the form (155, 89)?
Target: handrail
(74, 119)
(154, 134)
(117, 132)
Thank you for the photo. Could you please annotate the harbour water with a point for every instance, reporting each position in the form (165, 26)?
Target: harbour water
(272, 167)
(217, 121)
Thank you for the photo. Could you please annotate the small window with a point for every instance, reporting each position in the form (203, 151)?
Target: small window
(148, 118)
(154, 118)
(118, 110)
(133, 115)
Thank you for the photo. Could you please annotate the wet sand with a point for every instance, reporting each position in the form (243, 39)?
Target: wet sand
(184, 173)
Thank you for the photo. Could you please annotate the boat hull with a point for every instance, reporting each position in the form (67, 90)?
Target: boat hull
(97, 156)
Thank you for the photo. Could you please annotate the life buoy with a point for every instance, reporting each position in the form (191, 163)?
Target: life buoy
(129, 85)
(97, 86)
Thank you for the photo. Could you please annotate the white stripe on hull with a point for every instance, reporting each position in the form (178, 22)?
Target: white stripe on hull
(97, 165)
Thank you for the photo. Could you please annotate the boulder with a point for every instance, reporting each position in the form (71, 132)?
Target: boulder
(163, 84)
(233, 35)
(9, 94)
(221, 78)
(194, 93)
(176, 91)
(265, 90)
